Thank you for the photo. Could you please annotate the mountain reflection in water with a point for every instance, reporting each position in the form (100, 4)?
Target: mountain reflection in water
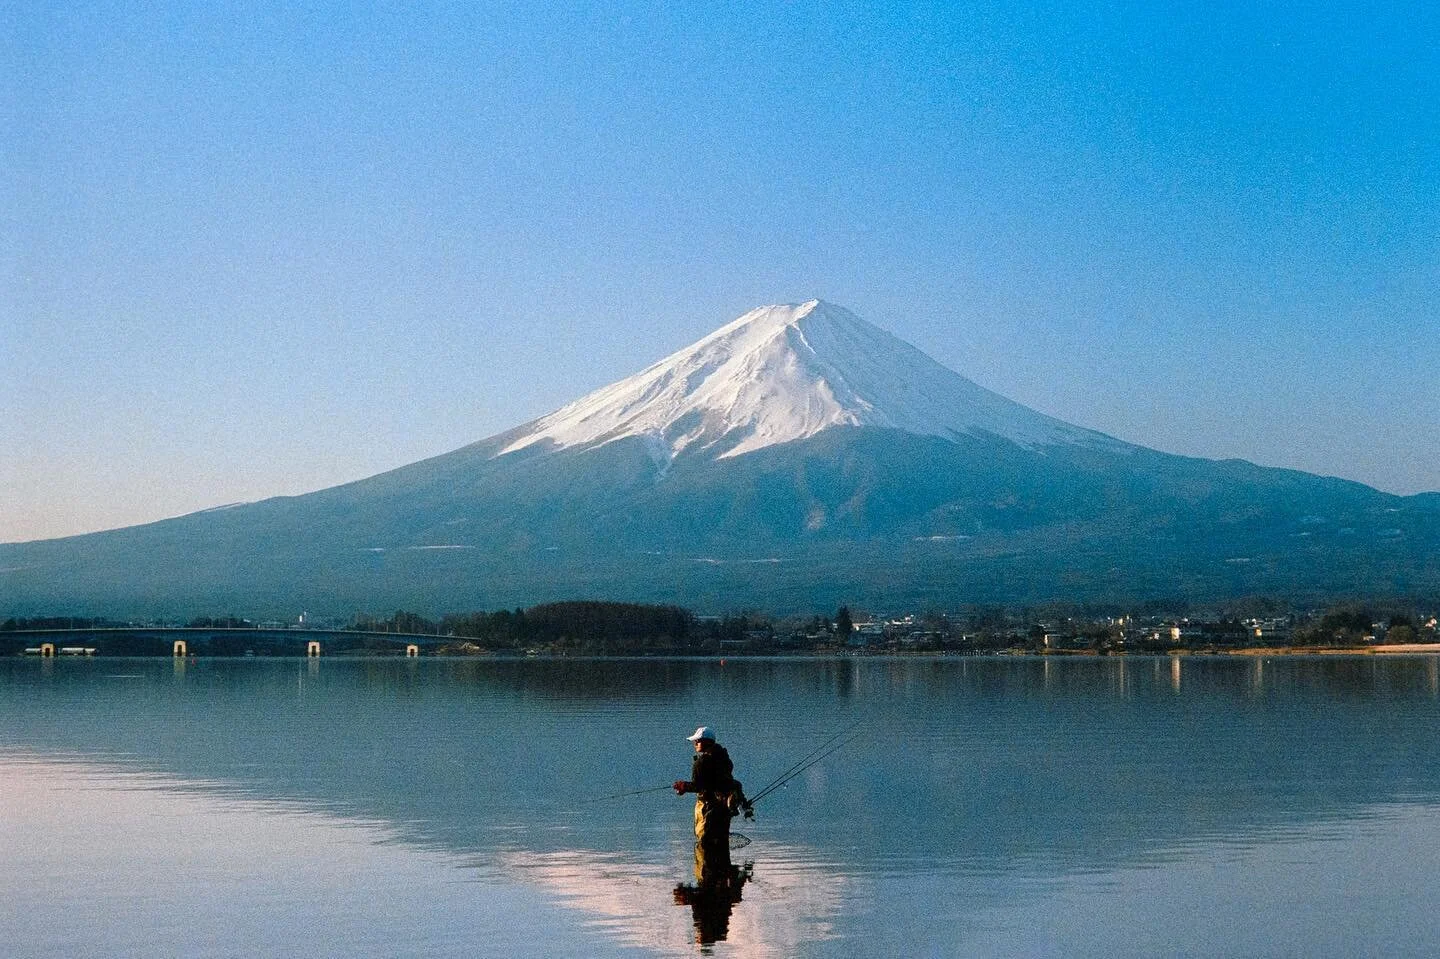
(993, 805)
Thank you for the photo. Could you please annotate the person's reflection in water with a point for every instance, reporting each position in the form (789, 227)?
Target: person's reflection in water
(715, 892)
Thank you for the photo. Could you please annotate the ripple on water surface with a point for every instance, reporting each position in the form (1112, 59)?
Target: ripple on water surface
(989, 808)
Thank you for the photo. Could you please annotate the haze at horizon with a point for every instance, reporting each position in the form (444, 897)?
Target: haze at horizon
(256, 251)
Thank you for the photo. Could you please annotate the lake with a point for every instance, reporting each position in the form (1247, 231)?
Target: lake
(1195, 806)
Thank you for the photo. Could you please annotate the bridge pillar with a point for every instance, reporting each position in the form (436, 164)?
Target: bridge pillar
(312, 648)
(412, 650)
(180, 649)
(47, 650)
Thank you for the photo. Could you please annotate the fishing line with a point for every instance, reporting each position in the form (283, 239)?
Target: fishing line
(810, 759)
(786, 780)
(632, 792)
(800, 765)
(801, 761)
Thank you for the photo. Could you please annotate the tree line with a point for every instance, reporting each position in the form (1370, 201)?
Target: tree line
(618, 628)
(582, 626)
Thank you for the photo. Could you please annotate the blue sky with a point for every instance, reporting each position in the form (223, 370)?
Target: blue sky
(252, 250)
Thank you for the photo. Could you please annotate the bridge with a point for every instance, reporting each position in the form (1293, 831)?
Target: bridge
(223, 641)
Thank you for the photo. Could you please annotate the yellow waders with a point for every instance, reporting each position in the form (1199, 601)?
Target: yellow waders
(712, 821)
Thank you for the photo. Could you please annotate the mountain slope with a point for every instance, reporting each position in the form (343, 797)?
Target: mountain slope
(785, 373)
(796, 458)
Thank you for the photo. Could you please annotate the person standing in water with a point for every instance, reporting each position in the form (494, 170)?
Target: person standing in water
(717, 795)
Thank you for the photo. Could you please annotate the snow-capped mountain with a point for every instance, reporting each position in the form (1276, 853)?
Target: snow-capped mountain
(784, 373)
(795, 459)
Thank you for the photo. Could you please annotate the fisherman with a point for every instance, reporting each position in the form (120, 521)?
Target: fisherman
(717, 795)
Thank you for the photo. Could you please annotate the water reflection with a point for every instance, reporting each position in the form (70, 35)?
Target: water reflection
(717, 888)
(981, 791)
(753, 910)
(105, 859)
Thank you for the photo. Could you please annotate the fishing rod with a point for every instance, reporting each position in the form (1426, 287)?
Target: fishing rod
(786, 779)
(737, 840)
(802, 764)
(801, 761)
(632, 792)
(811, 758)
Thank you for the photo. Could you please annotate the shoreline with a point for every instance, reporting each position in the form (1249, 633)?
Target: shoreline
(1390, 649)
(1393, 649)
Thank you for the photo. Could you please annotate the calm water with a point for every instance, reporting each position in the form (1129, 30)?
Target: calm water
(994, 807)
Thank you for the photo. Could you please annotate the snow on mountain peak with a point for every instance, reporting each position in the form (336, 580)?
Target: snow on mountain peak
(786, 372)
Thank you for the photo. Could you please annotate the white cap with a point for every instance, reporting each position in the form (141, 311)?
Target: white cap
(704, 732)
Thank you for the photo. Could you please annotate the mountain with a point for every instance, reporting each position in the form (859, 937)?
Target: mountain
(795, 459)
(780, 374)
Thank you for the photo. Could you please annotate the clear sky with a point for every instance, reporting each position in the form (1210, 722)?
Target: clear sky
(249, 249)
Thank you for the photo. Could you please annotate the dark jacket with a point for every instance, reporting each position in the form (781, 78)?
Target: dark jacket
(711, 773)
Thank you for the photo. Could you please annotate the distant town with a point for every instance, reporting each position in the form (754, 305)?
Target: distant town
(606, 628)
